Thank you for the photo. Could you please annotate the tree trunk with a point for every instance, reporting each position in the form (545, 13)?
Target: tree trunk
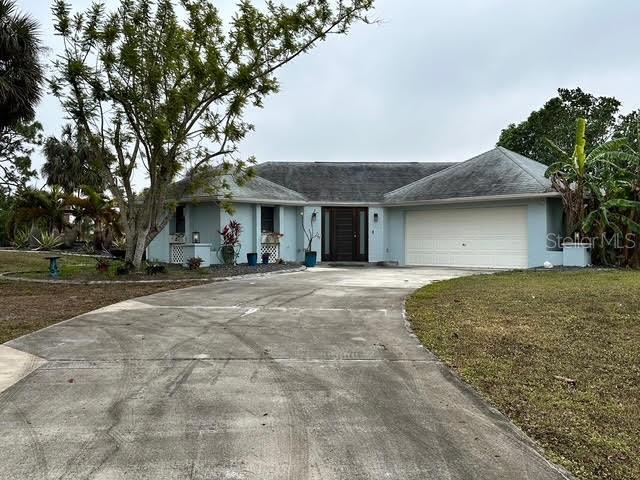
(141, 244)
(130, 245)
(141, 231)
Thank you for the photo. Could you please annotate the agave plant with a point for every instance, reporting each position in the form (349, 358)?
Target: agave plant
(22, 238)
(48, 240)
(119, 243)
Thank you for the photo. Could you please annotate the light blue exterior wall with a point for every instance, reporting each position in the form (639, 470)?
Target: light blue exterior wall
(205, 218)
(544, 218)
(158, 250)
(377, 234)
(288, 224)
(555, 222)
(300, 238)
(316, 244)
(394, 236)
(245, 214)
(386, 236)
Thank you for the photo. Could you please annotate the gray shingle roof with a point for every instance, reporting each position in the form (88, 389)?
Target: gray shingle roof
(496, 172)
(257, 188)
(346, 182)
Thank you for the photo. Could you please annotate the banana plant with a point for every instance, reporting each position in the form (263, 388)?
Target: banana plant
(577, 175)
(616, 216)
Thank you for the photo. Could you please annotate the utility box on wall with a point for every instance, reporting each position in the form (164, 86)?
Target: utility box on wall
(202, 250)
(576, 254)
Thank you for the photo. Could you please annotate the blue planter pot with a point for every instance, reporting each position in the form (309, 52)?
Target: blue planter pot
(252, 259)
(310, 259)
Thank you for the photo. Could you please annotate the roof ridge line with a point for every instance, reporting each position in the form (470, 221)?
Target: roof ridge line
(281, 186)
(453, 166)
(507, 153)
(312, 162)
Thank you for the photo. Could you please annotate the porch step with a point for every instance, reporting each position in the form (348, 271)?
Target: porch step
(349, 264)
(361, 264)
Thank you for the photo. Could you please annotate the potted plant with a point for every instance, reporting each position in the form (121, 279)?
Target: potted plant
(272, 237)
(194, 263)
(265, 258)
(118, 247)
(230, 248)
(102, 265)
(310, 257)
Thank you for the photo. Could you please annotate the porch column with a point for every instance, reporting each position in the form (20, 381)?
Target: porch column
(376, 234)
(279, 219)
(187, 224)
(223, 221)
(257, 230)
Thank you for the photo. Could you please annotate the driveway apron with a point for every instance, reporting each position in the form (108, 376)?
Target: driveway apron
(310, 375)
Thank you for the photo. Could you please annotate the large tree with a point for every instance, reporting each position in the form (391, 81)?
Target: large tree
(21, 79)
(556, 121)
(165, 88)
(21, 73)
(627, 127)
(69, 163)
(17, 143)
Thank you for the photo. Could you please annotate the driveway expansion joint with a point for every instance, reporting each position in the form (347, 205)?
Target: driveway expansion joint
(163, 394)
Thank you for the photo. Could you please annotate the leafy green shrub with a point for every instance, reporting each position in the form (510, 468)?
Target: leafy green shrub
(102, 264)
(124, 268)
(88, 248)
(155, 268)
(194, 263)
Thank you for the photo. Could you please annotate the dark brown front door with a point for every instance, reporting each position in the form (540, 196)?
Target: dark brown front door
(345, 234)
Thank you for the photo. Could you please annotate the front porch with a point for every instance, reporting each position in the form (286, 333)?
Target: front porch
(266, 229)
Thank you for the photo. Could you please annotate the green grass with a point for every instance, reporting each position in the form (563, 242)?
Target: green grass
(77, 267)
(18, 261)
(510, 335)
(28, 306)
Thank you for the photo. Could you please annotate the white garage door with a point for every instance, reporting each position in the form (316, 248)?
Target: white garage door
(468, 237)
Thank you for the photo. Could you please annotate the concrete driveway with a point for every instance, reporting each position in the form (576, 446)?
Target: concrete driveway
(309, 375)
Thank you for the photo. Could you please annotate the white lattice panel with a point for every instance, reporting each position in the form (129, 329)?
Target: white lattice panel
(177, 253)
(273, 249)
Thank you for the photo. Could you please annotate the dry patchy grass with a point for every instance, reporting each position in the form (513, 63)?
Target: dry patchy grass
(511, 335)
(27, 307)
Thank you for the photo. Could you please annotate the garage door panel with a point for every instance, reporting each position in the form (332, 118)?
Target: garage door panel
(471, 237)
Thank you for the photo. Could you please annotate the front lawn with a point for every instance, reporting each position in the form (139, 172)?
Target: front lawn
(523, 338)
(28, 306)
(83, 268)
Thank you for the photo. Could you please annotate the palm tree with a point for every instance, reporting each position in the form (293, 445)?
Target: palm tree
(100, 210)
(68, 163)
(45, 209)
(21, 74)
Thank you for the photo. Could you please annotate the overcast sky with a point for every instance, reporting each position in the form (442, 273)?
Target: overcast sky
(435, 81)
